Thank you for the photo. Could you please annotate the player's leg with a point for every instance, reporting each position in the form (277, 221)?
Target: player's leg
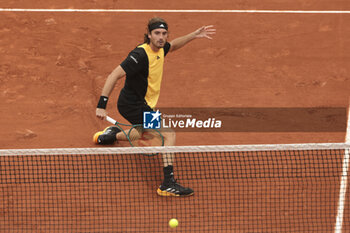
(170, 187)
(133, 133)
(112, 133)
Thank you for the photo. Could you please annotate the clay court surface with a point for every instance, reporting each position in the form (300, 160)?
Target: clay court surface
(53, 66)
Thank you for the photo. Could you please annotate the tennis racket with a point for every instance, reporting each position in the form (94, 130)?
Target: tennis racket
(137, 136)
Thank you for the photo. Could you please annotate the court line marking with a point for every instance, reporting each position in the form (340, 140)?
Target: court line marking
(342, 193)
(344, 181)
(347, 135)
(177, 11)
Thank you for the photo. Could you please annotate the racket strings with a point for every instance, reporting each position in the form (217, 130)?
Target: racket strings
(140, 137)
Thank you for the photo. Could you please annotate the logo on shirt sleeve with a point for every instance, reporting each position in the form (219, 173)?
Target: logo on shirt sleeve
(133, 59)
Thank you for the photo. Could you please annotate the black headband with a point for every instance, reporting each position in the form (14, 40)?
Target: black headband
(157, 25)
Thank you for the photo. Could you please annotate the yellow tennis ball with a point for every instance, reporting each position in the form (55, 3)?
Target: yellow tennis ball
(173, 223)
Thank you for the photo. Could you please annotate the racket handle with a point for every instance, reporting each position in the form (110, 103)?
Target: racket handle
(110, 120)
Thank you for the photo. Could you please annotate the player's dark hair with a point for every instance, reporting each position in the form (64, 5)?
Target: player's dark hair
(150, 22)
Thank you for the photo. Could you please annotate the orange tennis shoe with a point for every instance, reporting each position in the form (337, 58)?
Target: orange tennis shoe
(107, 136)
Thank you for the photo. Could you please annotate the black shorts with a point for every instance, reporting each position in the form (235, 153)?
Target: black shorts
(132, 108)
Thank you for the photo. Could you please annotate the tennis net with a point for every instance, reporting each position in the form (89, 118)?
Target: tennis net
(252, 188)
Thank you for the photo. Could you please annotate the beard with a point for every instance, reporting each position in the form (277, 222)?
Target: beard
(158, 44)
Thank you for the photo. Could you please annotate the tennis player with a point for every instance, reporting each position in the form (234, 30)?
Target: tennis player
(143, 69)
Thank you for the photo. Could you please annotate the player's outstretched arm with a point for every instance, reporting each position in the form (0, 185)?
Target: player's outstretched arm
(202, 32)
(112, 79)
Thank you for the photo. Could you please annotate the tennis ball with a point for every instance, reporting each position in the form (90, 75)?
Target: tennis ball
(173, 223)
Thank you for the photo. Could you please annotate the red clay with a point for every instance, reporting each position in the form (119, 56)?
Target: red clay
(53, 66)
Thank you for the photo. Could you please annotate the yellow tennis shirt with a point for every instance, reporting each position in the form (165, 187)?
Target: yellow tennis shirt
(144, 71)
(155, 73)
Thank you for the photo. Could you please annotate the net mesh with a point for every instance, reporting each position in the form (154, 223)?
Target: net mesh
(271, 188)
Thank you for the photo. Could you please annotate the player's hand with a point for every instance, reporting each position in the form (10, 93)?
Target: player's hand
(205, 31)
(101, 113)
